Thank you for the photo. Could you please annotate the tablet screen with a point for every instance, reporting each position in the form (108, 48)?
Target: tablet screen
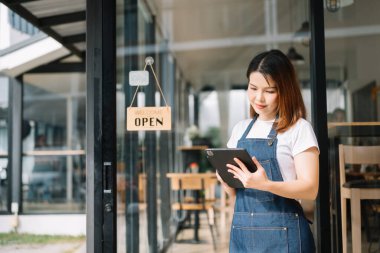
(219, 157)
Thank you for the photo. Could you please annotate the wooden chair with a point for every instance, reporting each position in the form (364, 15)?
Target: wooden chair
(201, 183)
(356, 190)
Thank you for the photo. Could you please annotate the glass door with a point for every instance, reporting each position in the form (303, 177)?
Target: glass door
(201, 50)
(353, 109)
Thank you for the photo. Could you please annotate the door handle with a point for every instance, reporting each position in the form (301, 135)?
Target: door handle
(107, 187)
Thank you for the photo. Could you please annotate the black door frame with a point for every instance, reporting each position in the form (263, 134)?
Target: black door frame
(101, 126)
(319, 119)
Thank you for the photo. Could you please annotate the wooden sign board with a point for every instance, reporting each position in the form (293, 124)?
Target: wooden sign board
(149, 118)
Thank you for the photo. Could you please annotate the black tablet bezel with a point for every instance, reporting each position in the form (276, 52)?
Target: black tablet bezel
(219, 157)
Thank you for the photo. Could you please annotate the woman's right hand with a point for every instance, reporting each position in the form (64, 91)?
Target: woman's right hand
(230, 191)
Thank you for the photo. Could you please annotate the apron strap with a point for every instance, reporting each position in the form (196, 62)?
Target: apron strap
(273, 133)
(248, 128)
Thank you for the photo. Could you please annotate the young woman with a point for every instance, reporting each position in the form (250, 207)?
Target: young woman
(267, 215)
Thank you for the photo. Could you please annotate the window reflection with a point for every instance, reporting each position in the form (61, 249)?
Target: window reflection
(53, 184)
(53, 172)
(3, 143)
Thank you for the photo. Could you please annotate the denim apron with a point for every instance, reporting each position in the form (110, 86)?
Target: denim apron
(262, 221)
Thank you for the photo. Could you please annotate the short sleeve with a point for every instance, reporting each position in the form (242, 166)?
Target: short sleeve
(303, 138)
(237, 132)
(232, 142)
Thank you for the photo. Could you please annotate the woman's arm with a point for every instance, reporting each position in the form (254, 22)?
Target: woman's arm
(304, 187)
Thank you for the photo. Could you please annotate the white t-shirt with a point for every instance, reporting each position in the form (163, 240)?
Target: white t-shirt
(293, 141)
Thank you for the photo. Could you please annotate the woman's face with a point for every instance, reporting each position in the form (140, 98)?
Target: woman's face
(263, 96)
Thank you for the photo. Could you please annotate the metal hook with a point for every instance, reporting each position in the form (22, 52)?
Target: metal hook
(149, 60)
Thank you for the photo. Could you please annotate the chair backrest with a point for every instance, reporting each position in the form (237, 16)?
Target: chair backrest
(191, 181)
(356, 155)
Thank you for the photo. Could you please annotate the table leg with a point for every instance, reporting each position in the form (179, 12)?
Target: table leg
(196, 218)
(356, 221)
(344, 224)
(196, 226)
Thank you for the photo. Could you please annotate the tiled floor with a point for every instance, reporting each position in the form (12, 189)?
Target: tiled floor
(184, 238)
(182, 245)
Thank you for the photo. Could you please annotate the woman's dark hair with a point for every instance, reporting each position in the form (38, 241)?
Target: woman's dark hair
(277, 66)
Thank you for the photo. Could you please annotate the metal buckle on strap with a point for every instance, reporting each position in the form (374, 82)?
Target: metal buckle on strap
(270, 141)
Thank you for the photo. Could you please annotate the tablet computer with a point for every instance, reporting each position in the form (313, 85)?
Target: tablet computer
(219, 157)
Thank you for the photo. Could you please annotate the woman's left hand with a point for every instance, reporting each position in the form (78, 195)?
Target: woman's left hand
(257, 180)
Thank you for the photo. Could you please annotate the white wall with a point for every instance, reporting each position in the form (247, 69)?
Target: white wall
(59, 224)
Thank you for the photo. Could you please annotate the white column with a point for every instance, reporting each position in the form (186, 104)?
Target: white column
(223, 93)
(167, 20)
(270, 21)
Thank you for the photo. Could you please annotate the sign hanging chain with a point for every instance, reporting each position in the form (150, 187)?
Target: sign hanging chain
(158, 84)
(137, 89)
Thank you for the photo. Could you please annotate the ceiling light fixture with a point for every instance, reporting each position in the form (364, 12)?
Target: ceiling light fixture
(304, 29)
(335, 5)
(303, 33)
(294, 56)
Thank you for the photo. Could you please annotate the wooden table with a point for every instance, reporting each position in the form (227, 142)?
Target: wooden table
(192, 148)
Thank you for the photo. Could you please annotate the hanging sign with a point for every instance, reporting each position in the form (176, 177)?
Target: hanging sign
(147, 118)
(138, 78)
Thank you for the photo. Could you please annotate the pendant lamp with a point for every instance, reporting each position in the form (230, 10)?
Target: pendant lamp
(335, 5)
(294, 56)
(303, 33)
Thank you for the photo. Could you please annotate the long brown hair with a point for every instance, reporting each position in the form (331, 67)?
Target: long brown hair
(277, 66)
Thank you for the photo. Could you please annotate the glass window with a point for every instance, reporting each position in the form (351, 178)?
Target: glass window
(351, 60)
(15, 29)
(4, 105)
(353, 106)
(53, 164)
(21, 24)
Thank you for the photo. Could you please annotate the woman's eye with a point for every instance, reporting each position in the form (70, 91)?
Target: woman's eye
(270, 91)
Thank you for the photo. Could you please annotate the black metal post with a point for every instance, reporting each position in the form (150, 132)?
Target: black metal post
(101, 126)
(150, 144)
(109, 125)
(131, 138)
(164, 159)
(319, 118)
(15, 142)
(196, 109)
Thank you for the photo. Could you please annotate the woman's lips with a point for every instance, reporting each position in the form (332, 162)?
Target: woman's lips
(260, 106)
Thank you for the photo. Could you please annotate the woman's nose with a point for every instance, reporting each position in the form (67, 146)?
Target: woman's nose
(259, 96)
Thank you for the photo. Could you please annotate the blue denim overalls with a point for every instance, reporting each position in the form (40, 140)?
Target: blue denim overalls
(265, 222)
